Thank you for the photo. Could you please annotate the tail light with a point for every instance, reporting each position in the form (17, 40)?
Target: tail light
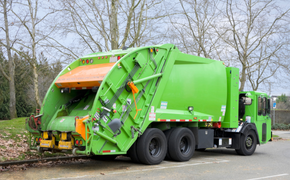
(119, 57)
(87, 61)
(217, 125)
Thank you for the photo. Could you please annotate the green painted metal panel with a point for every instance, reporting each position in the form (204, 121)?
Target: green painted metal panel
(231, 119)
(64, 123)
(113, 81)
(192, 81)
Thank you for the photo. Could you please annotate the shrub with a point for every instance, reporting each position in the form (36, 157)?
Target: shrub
(281, 127)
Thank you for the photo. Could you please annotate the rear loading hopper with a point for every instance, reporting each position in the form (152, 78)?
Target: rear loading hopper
(84, 77)
(103, 102)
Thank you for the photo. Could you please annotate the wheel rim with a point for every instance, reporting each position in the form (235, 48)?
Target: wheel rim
(154, 147)
(249, 142)
(184, 145)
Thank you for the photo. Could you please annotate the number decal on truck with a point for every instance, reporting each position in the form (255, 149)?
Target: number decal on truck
(163, 105)
(152, 116)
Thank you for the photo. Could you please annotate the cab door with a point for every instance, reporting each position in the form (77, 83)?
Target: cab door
(263, 123)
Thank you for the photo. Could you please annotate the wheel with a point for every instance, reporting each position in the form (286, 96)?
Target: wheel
(74, 151)
(248, 143)
(132, 153)
(104, 157)
(152, 146)
(167, 135)
(181, 144)
(39, 149)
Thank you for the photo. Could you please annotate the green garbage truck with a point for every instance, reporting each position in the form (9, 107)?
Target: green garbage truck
(149, 103)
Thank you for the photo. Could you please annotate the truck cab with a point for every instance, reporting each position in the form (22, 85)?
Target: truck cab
(254, 107)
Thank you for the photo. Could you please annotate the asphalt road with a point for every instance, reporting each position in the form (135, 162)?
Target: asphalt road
(270, 161)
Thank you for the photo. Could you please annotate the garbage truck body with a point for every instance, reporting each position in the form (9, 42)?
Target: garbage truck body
(149, 103)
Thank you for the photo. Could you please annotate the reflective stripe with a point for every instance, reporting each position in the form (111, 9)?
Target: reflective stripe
(204, 120)
(175, 120)
(109, 151)
(80, 88)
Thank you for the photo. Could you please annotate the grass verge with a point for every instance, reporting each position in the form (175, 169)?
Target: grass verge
(14, 142)
(13, 129)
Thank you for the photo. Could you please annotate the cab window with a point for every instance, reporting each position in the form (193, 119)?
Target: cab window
(263, 106)
(260, 106)
(268, 108)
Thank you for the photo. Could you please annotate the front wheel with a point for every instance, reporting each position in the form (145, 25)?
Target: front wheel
(248, 143)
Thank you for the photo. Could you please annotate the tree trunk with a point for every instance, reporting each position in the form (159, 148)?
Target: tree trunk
(114, 25)
(243, 79)
(35, 83)
(34, 62)
(12, 103)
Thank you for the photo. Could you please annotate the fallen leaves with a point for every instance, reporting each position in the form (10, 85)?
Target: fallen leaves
(13, 149)
(41, 164)
(13, 167)
(5, 134)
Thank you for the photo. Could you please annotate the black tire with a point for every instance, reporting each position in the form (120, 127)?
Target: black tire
(167, 135)
(104, 157)
(152, 146)
(181, 144)
(248, 143)
(132, 153)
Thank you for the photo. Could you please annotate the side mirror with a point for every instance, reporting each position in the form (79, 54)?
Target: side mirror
(247, 100)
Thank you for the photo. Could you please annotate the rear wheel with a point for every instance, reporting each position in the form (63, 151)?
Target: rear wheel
(132, 153)
(167, 134)
(152, 146)
(181, 144)
(248, 143)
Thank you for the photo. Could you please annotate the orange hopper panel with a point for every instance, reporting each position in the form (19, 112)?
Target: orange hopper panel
(81, 128)
(84, 76)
